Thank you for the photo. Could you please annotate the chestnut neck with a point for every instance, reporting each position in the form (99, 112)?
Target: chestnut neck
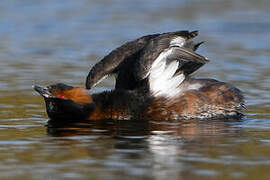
(118, 104)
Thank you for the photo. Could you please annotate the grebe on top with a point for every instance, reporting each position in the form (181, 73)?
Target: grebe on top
(153, 82)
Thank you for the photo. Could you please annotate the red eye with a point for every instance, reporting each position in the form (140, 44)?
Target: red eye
(62, 96)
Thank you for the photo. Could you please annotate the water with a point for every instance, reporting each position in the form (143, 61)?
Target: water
(44, 42)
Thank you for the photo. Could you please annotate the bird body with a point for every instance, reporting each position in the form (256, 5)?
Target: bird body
(152, 82)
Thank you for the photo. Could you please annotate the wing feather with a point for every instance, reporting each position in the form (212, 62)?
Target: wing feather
(109, 63)
(170, 69)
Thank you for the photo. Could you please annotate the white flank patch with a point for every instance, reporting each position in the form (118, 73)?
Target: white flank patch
(161, 76)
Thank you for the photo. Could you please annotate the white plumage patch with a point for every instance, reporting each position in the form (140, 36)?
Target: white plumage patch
(162, 78)
(194, 86)
(178, 41)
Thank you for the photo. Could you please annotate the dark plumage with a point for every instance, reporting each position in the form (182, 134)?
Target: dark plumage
(214, 100)
(110, 63)
(131, 61)
(153, 82)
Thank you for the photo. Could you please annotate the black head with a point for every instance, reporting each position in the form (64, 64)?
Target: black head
(65, 102)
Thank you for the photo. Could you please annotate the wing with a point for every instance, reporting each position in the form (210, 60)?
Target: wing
(168, 47)
(111, 62)
(165, 62)
(170, 69)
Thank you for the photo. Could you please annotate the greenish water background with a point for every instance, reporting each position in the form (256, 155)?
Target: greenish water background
(44, 42)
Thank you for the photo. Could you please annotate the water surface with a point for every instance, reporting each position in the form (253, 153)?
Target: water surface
(44, 42)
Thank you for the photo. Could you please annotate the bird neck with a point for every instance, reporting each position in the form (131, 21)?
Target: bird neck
(118, 104)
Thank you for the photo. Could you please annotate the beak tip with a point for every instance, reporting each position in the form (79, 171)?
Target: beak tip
(42, 91)
(34, 87)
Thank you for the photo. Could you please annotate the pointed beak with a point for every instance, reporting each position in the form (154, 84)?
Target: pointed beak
(43, 91)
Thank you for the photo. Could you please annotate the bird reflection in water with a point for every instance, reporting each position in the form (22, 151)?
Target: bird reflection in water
(140, 145)
(136, 129)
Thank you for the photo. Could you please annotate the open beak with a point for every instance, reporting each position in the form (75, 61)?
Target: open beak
(43, 91)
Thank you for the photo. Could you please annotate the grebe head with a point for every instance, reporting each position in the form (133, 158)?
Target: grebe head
(66, 102)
